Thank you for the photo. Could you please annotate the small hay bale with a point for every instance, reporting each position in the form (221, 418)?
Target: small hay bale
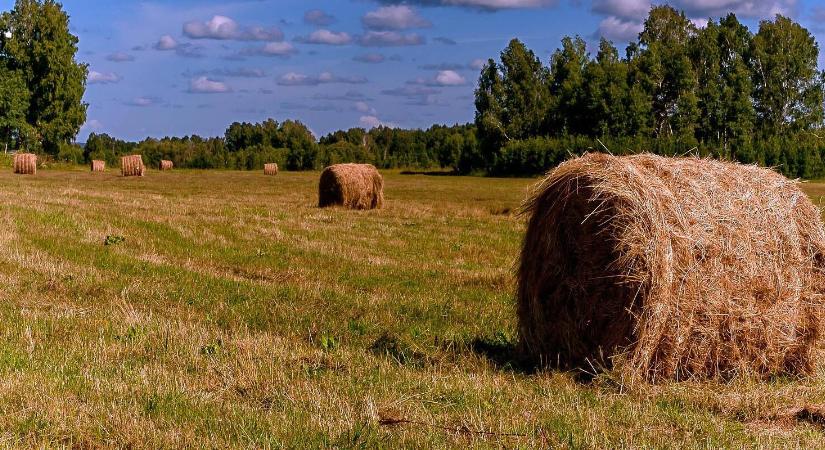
(132, 166)
(670, 269)
(25, 163)
(98, 165)
(166, 165)
(354, 186)
(271, 169)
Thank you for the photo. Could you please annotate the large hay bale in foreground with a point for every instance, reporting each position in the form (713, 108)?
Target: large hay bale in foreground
(132, 166)
(98, 165)
(671, 268)
(166, 165)
(271, 169)
(25, 163)
(354, 186)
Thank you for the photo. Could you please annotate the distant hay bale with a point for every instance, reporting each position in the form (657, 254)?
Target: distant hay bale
(670, 269)
(166, 165)
(354, 186)
(98, 165)
(25, 163)
(132, 166)
(271, 169)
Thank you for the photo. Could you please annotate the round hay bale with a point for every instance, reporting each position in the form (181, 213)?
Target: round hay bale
(671, 268)
(98, 165)
(354, 186)
(132, 166)
(25, 163)
(271, 169)
(166, 165)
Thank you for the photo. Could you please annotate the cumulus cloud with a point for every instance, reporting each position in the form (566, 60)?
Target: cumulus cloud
(326, 37)
(96, 77)
(390, 39)
(477, 64)
(318, 17)
(300, 79)
(444, 78)
(225, 28)
(488, 5)
(166, 42)
(92, 125)
(364, 108)
(205, 85)
(388, 18)
(120, 57)
(280, 49)
(143, 102)
(618, 29)
(626, 9)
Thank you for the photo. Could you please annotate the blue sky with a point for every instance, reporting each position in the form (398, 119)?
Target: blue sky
(193, 67)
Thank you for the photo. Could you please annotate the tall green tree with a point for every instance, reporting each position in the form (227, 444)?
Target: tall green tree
(36, 42)
(787, 85)
(662, 66)
(721, 54)
(605, 93)
(489, 117)
(526, 97)
(14, 104)
(567, 113)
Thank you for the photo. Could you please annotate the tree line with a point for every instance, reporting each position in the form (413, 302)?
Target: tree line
(290, 144)
(719, 90)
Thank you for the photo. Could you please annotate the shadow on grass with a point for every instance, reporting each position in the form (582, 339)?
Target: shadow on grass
(505, 355)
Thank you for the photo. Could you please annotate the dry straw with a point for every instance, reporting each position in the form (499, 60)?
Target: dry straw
(355, 186)
(670, 269)
(25, 163)
(271, 169)
(166, 165)
(98, 166)
(132, 166)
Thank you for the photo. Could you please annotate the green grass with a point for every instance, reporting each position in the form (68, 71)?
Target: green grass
(227, 310)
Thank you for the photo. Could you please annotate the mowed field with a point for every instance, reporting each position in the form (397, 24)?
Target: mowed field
(227, 310)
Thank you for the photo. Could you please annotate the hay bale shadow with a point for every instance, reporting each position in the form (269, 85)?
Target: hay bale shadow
(503, 354)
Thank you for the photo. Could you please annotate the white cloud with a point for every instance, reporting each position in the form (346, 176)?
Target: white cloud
(478, 64)
(620, 30)
(281, 49)
(371, 121)
(143, 102)
(444, 78)
(166, 42)
(449, 78)
(204, 85)
(225, 28)
(400, 17)
(300, 79)
(96, 77)
(120, 57)
(364, 108)
(327, 37)
(390, 39)
(626, 9)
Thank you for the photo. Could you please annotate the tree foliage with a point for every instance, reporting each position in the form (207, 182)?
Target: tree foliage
(37, 46)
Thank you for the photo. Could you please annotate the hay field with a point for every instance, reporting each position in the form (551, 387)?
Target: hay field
(228, 310)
